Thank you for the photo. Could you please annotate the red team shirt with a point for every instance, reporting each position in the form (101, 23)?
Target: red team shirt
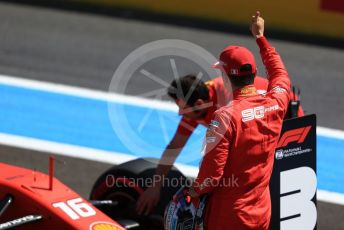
(240, 144)
(219, 96)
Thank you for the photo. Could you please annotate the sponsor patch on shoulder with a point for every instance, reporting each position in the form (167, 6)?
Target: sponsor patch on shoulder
(278, 89)
(210, 134)
(261, 91)
(211, 139)
(214, 123)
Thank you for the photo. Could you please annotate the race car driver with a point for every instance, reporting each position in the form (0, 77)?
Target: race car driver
(241, 139)
(196, 108)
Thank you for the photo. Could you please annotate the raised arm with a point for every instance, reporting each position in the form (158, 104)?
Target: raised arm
(279, 81)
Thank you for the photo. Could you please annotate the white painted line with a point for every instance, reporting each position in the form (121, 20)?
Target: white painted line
(187, 170)
(332, 133)
(330, 197)
(74, 151)
(87, 93)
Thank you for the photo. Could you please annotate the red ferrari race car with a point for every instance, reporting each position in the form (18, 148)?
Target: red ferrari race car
(33, 200)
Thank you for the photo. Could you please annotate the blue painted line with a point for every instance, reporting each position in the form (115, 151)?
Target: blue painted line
(86, 122)
(330, 161)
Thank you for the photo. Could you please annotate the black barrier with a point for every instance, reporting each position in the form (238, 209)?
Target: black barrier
(293, 182)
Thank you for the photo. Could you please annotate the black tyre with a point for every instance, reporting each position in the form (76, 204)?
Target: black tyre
(124, 183)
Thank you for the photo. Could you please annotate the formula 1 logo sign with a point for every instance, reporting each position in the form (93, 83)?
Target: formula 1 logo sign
(294, 135)
(291, 143)
(293, 182)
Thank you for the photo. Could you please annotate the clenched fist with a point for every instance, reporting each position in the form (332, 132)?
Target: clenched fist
(257, 25)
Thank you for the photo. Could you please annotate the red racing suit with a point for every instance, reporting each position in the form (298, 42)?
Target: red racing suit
(219, 97)
(240, 144)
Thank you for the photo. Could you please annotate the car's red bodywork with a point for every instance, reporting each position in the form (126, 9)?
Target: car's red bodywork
(59, 206)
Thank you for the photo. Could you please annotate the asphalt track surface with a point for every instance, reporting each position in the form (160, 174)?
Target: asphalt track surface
(84, 50)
